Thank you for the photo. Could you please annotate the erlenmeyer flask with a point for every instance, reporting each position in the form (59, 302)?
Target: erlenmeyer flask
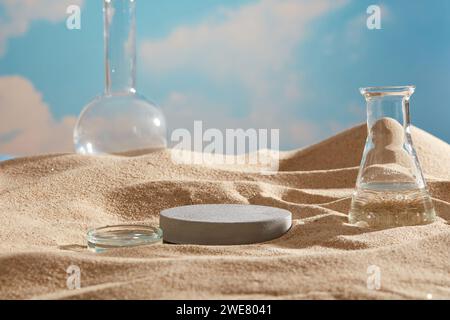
(120, 121)
(390, 188)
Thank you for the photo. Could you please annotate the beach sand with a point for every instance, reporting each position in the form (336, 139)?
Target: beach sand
(47, 203)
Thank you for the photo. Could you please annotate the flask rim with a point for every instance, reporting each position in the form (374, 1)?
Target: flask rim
(388, 90)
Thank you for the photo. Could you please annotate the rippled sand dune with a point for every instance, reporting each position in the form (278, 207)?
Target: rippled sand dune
(47, 203)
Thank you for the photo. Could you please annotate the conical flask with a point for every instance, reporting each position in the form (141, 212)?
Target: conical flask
(390, 188)
(120, 121)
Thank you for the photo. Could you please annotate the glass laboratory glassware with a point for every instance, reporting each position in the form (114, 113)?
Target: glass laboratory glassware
(120, 121)
(390, 188)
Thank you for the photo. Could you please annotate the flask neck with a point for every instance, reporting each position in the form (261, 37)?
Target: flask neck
(120, 46)
(393, 107)
(388, 103)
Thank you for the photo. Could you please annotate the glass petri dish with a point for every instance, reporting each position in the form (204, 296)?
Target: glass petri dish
(122, 236)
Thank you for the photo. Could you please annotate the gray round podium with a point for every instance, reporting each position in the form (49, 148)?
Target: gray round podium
(223, 224)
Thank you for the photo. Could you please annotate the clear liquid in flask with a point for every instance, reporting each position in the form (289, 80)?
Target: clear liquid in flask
(398, 204)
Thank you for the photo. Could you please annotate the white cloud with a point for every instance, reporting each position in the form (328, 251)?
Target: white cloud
(252, 43)
(19, 14)
(254, 47)
(26, 124)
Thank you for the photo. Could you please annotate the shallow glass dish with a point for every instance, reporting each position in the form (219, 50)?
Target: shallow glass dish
(122, 236)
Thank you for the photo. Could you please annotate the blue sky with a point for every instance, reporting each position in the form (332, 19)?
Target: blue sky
(288, 64)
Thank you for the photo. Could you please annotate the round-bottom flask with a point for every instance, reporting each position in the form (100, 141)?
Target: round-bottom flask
(124, 124)
(120, 121)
